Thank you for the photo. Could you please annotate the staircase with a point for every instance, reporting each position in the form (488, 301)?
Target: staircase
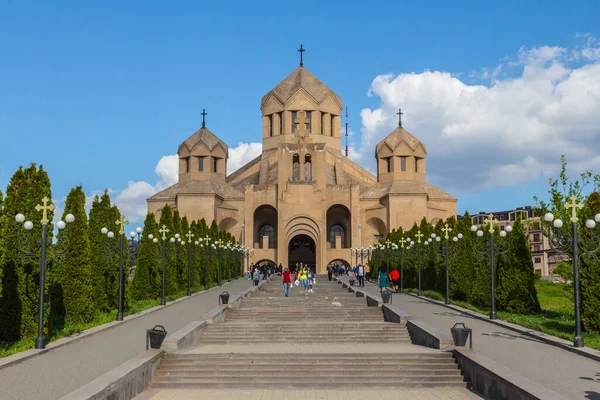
(327, 339)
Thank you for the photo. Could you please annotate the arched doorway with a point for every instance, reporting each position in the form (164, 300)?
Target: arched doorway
(338, 227)
(265, 227)
(302, 249)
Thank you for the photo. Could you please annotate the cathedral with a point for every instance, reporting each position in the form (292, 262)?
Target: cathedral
(302, 200)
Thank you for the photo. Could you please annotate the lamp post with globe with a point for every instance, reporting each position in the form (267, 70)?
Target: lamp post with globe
(31, 248)
(562, 243)
(403, 246)
(110, 254)
(163, 231)
(490, 250)
(445, 251)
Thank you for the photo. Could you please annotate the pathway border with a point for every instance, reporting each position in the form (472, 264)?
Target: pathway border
(27, 354)
(544, 337)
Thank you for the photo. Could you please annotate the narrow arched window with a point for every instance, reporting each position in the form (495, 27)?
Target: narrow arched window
(337, 230)
(267, 230)
(307, 168)
(296, 167)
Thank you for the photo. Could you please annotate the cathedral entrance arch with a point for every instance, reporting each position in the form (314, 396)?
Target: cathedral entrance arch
(265, 227)
(339, 227)
(302, 249)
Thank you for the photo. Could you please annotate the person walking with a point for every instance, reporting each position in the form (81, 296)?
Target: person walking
(310, 276)
(382, 280)
(329, 271)
(395, 278)
(286, 278)
(360, 274)
(303, 279)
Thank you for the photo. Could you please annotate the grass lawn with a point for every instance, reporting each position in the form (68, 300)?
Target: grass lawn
(135, 306)
(556, 318)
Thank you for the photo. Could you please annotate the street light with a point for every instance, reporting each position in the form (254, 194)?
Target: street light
(419, 236)
(445, 252)
(563, 244)
(110, 255)
(404, 245)
(31, 250)
(205, 244)
(492, 247)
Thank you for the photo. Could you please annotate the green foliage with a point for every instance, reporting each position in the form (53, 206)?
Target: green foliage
(146, 282)
(515, 291)
(462, 270)
(2, 223)
(20, 285)
(71, 286)
(180, 253)
(565, 270)
(166, 220)
(589, 272)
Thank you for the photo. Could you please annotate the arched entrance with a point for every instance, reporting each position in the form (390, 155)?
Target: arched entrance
(302, 249)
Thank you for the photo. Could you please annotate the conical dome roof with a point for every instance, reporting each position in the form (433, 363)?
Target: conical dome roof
(398, 136)
(203, 135)
(301, 78)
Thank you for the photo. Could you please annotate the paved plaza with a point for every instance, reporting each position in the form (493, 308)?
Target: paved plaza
(60, 371)
(571, 375)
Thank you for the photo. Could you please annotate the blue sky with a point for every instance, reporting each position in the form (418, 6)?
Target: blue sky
(99, 92)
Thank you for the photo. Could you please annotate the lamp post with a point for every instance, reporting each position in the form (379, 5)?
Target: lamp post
(490, 252)
(218, 247)
(121, 222)
(445, 252)
(419, 236)
(248, 253)
(563, 244)
(354, 253)
(205, 244)
(189, 236)
(404, 245)
(31, 250)
(163, 250)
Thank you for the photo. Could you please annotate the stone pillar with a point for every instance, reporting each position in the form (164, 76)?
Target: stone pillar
(287, 122)
(276, 121)
(326, 129)
(266, 125)
(302, 154)
(336, 126)
(315, 123)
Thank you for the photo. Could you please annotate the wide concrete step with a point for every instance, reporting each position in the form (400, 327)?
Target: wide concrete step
(251, 374)
(355, 383)
(313, 357)
(260, 340)
(190, 365)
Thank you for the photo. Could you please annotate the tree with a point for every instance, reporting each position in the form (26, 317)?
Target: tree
(462, 271)
(180, 252)
(166, 219)
(19, 304)
(104, 267)
(515, 290)
(71, 283)
(2, 223)
(589, 272)
(146, 282)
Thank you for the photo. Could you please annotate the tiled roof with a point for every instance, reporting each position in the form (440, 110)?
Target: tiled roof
(398, 136)
(198, 187)
(205, 136)
(302, 78)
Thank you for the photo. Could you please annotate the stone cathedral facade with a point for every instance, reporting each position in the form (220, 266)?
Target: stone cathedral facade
(302, 200)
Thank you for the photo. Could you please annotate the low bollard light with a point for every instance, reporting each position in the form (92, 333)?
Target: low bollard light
(155, 337)
(460, 335)
(224, 298)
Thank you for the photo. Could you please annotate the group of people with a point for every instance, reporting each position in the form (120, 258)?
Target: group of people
(302, 276)
(255, 271)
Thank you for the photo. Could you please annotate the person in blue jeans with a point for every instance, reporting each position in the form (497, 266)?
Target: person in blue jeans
(382, 280)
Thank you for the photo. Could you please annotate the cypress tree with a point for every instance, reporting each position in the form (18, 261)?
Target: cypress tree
(180, 252)
(214, 262)
(185, 228)
(515, 291)
(166, 219)
(589, 272)
(480, 292)
(2, 223)
(20, 285)
(71, 274)
(104, 268)
(146, 282)
(462, 271)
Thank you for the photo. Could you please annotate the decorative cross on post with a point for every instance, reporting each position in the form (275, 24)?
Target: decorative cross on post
(206, 239)
(402, 242)
(189, 235)
(164, 232)
(301, 122)
(490, 220)
(419, 235)
(44, 208)
(204, 114)
(387, 243)
(121, 222)
(399, 113)
(301, 50)
(446, 229)
(573, 205)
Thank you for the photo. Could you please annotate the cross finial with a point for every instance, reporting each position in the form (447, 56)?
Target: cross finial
(446, 229)
(400, 114)
(490, 220)
(189, 235)
(419, 235)
(402, 242)
(387, 243)
(44, 208)
(121, 222)
(164, 232)
(204, 114)
(301, 50)
(573, 205)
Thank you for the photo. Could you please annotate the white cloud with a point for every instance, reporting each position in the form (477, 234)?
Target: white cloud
(507, 131)
(240, 155)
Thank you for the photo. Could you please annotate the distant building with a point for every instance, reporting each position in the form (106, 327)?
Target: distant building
(543, 257)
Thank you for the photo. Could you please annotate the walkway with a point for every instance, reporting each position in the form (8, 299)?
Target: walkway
(566, 373)
(61, 371)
